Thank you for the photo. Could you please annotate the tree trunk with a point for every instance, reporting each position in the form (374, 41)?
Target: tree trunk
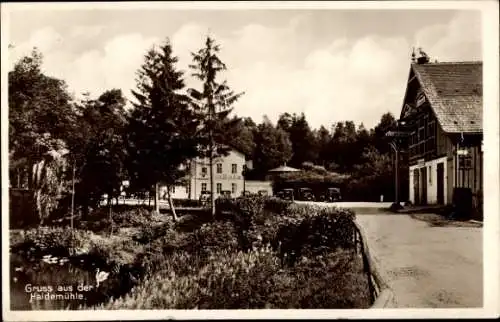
(157, 201)
(111, 219)
(171, 204)
(73, 197)
(37, 189)
(30, 174)
(212, 199)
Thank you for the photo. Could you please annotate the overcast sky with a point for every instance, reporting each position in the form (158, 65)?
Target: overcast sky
(333, 65)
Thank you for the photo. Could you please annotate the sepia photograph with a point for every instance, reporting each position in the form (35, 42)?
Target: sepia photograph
(250, 159)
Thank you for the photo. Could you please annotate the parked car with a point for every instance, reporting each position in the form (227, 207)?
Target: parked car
(286, 194)
(306, 194)
(331, 195)
(225, 194)
(205, 198)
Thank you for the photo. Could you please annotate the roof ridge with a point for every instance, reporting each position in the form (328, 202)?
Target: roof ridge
(471, 62)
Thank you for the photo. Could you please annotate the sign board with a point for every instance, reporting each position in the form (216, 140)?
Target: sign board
(462, 152)
(397, 134)
(420, 100)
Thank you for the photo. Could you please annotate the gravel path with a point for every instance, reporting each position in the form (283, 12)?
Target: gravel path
(427, 266)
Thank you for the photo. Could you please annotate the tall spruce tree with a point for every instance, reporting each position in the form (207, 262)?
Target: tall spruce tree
(213, 104)
(162, 134)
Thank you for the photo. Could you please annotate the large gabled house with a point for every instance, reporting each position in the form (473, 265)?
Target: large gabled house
(228, 172)
(442, 115)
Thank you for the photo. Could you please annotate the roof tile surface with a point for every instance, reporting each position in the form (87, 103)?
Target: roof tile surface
(454, 91)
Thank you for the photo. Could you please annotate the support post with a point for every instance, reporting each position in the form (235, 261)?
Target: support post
(396, 205)
(396, 193)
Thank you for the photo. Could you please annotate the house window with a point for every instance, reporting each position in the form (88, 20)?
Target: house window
(465, 162)
(219, 187)
(234, 168)
(233, 188)
(219, 167)
(203, 187)
(431, 129)
(430, 175)
(204, 171)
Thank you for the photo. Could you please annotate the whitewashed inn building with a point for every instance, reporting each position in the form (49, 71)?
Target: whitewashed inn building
(228, 176)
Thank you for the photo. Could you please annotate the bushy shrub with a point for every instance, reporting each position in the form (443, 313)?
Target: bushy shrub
(335, 280)
(251, 280)
(132, 218)
(187, 203)
(61, 241)
(22, 212)
(321, 230)
(230, 280)
(216, 236)
(150, 231)
(114, 253)
(122, 215)
(276, 205)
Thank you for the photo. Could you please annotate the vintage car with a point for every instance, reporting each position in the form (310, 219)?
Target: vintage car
(331, 195)
(306, 194)
(205, 197)
(286, 194)
(225, 194)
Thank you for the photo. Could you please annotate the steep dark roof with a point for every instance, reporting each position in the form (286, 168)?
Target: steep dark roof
(455, 93)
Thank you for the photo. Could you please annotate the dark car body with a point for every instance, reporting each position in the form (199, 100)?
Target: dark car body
(286, 194)
(332, 195)
(205, 197)
(306, 194)
(225, 194)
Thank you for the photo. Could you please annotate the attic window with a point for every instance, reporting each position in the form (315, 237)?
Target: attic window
(455, 122)
(456, 91)
(472, 122)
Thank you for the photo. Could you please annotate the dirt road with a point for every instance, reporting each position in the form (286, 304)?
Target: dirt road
(427, 265)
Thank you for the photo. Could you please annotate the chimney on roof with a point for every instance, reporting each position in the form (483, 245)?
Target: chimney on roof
(423, 58)
(413, 56)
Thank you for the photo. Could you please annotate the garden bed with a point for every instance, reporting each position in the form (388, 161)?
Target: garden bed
(257, 253)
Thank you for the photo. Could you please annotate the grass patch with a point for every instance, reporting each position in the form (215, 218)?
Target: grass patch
(435, 220)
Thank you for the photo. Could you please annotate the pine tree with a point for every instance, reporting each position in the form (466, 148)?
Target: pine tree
(213, 105)
(163, 127)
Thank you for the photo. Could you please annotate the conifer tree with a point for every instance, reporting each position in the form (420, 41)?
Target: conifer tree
(213, 103)
(162, 135)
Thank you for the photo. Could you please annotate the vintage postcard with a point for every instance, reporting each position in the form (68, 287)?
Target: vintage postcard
(201, 160)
